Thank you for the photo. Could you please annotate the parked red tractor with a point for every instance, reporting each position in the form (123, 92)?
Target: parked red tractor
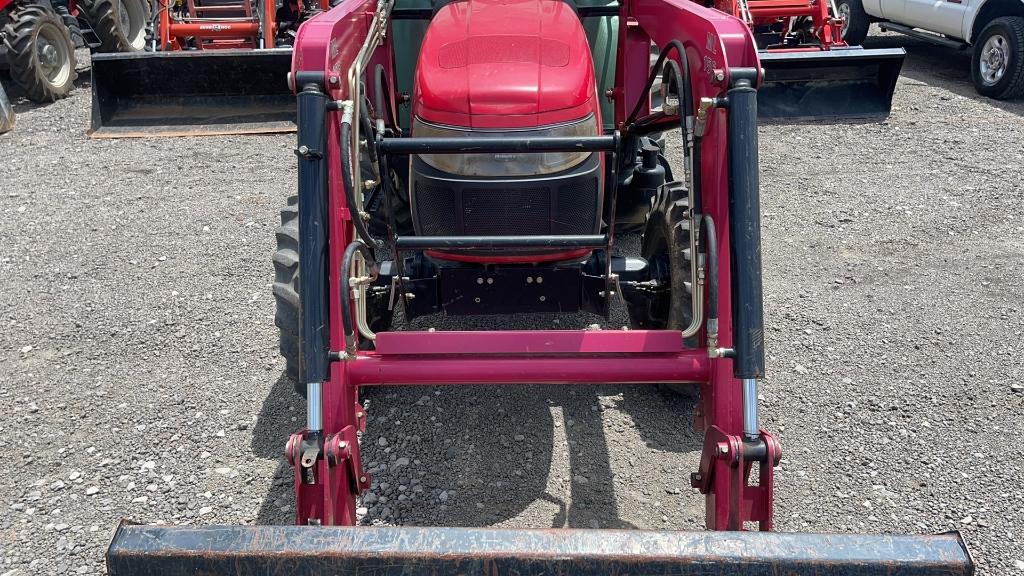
(504, 198)
(38, 39)
(37, 49)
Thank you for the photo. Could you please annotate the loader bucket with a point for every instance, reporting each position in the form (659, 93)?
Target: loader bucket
(837, 84)
(371, 551)
(191, 93)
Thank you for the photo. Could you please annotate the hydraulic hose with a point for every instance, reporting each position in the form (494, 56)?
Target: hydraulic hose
(346, 175)
(711, 247)
(347, 325)
(367, 128)
(686, 129)
(686, 91)
(384, 96)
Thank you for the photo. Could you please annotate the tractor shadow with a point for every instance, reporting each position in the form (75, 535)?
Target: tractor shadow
(939, 66)
(282, 414)
(581, 456)
(519, 455)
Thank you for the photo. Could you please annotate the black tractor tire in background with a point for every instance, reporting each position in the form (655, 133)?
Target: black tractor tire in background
(40, 52)
(71, 23)
(1000, 46)
(119, 24)
(286, 294)
(666, 247)
(857, 22)
(7, 119)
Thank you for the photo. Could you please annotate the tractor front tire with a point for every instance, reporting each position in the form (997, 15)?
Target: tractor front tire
(997, 64)
(288, 316)
(856, 21)
(667, 250)
(40, 52)
(286, 289)
(119, 24)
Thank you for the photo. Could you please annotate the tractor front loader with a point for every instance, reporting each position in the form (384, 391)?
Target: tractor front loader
(213, 67)
(503, 197)
(810, 71)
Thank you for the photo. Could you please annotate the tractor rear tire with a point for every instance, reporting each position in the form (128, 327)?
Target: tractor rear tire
(666, 247)
(40, 52)
(119, 24)
(74, 29)
(288, 317)
(7, 118)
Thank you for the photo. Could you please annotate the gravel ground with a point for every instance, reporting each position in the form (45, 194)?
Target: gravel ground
(140, 376)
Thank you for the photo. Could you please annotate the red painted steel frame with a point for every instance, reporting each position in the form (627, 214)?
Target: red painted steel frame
(714, 43)
(222, 33)
(827, 29)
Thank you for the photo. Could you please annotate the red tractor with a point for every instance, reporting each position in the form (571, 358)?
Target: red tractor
(37, 49)
(505, 198)
(38, 39)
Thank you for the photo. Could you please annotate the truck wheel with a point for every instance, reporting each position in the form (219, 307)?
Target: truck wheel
(997, 67)
(666, 247)
(40, 52)
(119, 24)
(286, 294)
(855, 21)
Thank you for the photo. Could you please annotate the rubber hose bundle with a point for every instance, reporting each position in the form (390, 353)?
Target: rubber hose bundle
(346, 175)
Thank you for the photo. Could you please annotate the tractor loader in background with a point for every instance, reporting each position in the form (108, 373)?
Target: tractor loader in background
(493, 186)
(811, 73)
(212, 67)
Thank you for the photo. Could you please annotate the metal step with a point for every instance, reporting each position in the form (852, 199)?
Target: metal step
(922, 35)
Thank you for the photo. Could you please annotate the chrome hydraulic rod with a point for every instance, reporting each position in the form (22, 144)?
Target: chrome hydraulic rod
(314, 407)
(751, 425)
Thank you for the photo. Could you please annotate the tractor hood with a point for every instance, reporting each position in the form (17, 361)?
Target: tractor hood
(504, 64)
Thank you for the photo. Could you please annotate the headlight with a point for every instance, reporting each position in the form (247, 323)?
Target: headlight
(505, 164)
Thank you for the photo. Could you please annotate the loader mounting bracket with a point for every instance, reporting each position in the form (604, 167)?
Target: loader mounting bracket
(735, 456)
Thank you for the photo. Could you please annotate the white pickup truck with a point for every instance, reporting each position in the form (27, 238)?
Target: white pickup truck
(994, 28)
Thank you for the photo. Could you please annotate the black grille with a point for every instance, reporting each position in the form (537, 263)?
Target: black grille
(506, 211)
(436, 209)
(569, 203)
(577, 207)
